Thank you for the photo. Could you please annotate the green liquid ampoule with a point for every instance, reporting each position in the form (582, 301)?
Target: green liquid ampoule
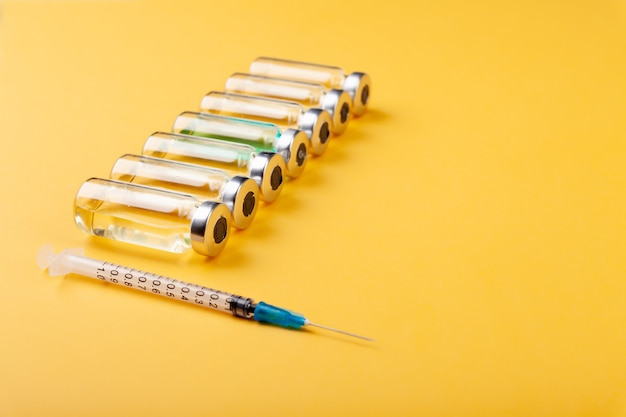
(292, 144)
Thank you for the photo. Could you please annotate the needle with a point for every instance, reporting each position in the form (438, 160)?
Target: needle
(340, 331)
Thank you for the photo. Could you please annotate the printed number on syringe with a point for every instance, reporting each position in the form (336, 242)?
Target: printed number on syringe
(185, 291)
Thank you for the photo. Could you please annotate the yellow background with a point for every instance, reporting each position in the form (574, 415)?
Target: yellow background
(473, 222)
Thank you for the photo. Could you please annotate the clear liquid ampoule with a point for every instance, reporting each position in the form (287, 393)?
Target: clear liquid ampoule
(335, 101)
(151, 217)
(292, 144)
(266, 168)
(315, 123)
(239, 193)
(357, 84)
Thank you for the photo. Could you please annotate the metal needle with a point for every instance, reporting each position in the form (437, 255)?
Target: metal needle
(340, 331)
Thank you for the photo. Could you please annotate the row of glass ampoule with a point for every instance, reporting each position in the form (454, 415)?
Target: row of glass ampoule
(188, 187)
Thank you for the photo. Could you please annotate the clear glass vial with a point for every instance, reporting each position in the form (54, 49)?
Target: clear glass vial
(266, 168)
(239, 193)
(357, 84)
(292, 144)
(315, 123)
(335, 101)
(151, 217)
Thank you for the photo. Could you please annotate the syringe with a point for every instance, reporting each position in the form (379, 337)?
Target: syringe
(73, 261)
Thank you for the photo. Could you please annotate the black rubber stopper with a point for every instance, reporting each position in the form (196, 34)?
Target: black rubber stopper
(301, 154)
(345, 111)
(324, 133)
(220, 230)
(276, 178)
(248, 204)
(365, 94)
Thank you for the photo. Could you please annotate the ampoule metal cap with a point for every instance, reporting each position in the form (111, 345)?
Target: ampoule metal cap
(239, 195)
(358, 85)
(268, 170)
(317, 125)
(210, 228)
(293, 145)
(339, 104)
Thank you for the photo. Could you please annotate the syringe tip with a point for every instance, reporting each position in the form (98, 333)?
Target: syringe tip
(369, 339)
(57, 264)
(45, 256)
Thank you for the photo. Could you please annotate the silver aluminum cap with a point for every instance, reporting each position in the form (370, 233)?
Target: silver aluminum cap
(339, 104)
(293, 145)
(359, 86)
(210, 228)
(317, 124)
(241, 196)
(268, 170)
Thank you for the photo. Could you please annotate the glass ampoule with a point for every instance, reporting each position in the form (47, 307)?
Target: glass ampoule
(357, 84)
(315, 123)
(151, 217)
(266, 168)
(292, 144)
(239, 193)
(335, 101)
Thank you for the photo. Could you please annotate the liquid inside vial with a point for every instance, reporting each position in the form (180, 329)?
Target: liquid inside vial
(134, 214)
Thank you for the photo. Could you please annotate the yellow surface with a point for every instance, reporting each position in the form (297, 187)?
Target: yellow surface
(473, 222)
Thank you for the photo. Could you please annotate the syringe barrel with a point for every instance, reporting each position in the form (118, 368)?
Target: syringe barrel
(151, 217)
(157, 284)
(266, 168)
(239, 193)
